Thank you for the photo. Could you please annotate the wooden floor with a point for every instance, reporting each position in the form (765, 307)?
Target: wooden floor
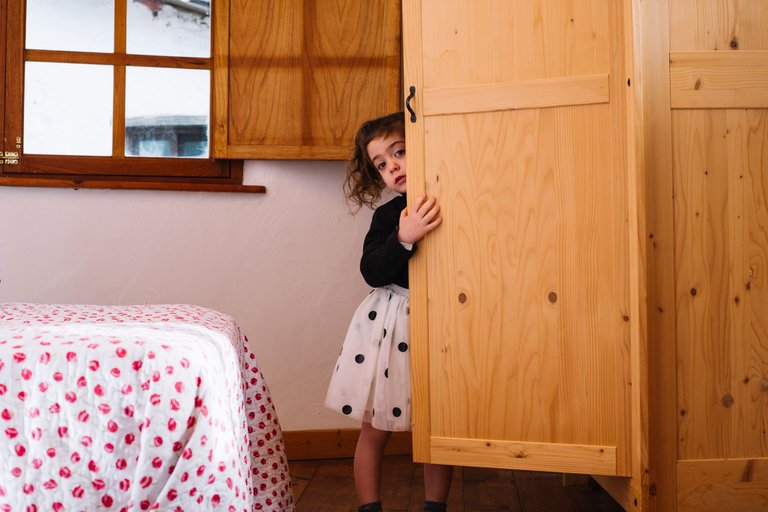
(328, 486)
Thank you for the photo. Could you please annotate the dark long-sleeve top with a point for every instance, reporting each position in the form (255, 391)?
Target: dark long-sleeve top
(385, 260)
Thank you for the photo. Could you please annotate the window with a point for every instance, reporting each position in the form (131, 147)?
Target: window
(111, 94)
(175, 93)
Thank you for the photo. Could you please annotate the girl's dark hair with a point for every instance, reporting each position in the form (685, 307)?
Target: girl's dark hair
(363, 184)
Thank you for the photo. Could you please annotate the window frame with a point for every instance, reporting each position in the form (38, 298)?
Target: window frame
(4, 146)
(118, 170)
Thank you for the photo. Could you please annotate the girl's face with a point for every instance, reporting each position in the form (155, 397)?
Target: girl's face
(388, 156)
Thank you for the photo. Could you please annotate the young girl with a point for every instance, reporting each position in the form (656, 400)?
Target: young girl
(371, 381)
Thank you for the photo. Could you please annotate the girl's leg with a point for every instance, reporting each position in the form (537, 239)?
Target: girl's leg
(437, 483)
(369, 457)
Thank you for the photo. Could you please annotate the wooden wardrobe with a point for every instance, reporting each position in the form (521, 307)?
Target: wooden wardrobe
(595, 300)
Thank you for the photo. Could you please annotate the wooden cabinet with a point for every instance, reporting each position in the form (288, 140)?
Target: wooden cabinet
(595, 300)
(302, 75)
(706, 133)
(525, 294)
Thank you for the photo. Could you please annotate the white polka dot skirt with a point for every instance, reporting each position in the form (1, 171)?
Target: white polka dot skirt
(372, 377)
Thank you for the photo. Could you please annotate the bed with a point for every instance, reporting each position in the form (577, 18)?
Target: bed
(151, 407)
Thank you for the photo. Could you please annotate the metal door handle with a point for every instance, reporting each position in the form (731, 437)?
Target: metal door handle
(412, 91)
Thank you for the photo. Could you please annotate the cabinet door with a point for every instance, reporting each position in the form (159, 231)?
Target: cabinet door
(523, 316)
(303, 74)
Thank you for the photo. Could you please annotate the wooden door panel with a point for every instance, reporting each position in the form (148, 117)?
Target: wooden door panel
(495, 41)
(721, 248)
(718, 68)
(716, 79)
(553, 457)
(302, 75)
(528, 246)
(528, 289)
(547, 92)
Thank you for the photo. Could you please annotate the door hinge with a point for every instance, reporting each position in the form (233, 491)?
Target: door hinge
(10, 158)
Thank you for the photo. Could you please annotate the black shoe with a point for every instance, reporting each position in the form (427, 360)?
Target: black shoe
(370, 507)
(434, 506)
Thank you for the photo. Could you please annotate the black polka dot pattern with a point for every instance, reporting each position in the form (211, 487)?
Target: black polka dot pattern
(377, 333)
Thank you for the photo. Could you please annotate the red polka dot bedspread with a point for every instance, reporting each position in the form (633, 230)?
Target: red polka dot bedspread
(131, 408)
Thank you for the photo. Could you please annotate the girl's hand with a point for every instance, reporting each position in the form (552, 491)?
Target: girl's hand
(415, 224)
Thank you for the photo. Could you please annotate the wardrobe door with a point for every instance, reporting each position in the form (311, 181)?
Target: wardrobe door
(524, 301)
(717, 131)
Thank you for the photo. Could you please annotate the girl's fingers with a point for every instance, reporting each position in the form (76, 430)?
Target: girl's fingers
(419, 202)
(431, 213)
(433, 223)
(426, 206)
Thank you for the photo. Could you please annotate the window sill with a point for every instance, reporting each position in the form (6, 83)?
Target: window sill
(129, 185)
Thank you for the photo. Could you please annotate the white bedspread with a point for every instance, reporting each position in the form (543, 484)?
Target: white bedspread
(157, 407)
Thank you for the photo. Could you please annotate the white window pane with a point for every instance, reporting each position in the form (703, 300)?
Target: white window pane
(171, 27)
(67, 109)
(167, 112)
(72, 25)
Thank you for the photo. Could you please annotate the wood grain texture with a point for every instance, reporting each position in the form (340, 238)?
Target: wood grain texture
(305, 74)
(660, 261)
(549, 457)
(705, 185)
(722, 241)
(220, 80)
(288, 152)
(528, 278)
(633, 493)
(336, 443)
(118, 59)
(514, 41)
(97, 166)
(717, 485)
(535, 250)
(716, 79)
(5, 145)
(722, 249)
(548, 92)
(417, 184)
(118, 81)
(716, 25)
(134, 184)
(13, 76)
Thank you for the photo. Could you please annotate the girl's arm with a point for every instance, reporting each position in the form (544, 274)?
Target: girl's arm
(385, 259)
